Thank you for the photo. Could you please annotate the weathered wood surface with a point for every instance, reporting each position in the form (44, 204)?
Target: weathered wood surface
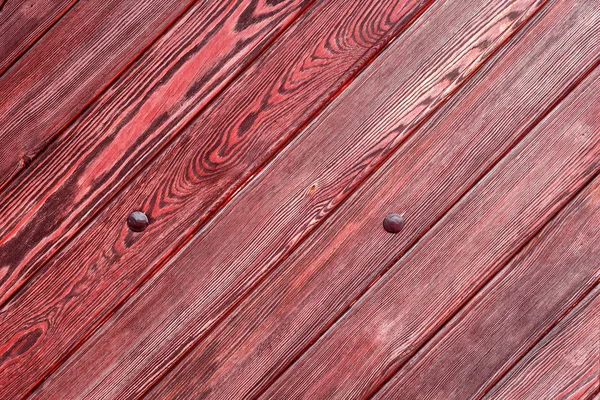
(290, 309)
(512, 313)
(214, 273)
(127, 126)
(265, 267)
(24, 22)
(565, 364)
(206, 164)
(470, 244)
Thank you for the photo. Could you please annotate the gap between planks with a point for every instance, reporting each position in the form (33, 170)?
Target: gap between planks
(572, 378)
(11, 53)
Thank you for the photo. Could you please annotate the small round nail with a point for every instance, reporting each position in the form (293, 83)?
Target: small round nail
(137, 221)
(393, 223)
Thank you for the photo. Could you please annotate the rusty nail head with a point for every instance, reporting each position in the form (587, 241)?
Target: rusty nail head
(393, 223)
(137, 221)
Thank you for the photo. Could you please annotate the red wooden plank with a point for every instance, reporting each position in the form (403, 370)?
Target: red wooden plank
(127, 126)
(424, 289)
(319, 280)
(24, 22)
(531, 294)
(565, 364)
(204, 165)
(230, 268)
(96, 42)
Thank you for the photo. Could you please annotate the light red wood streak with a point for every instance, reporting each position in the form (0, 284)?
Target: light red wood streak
(64, 71)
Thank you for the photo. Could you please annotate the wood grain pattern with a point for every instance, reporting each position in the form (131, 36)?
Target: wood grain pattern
(565, 364)
(419, 294)
(168, 201)
(512, 313)
(319, 280)
(213, 157)
(85, 51)
(206, 281)
(24, 22)
(127, 126)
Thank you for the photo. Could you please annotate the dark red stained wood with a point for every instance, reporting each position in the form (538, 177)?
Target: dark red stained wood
(200, 169)
(565, 364)
(205, 282)
(127, 126)
(319, 280)
(424, 289)
(23, 22)
(530, 295)
(95, 42)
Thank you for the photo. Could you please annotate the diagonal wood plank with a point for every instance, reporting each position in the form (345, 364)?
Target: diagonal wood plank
(319, 280)
(511, 314)
(205, 164)
(127, 126)
(24, 22)
(229, 268)
(565, 364)
(68, 67)
(97, 41)
(471, 243)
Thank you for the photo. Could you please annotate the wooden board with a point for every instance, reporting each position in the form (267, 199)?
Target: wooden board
(565, 364)
(96, 42)
(289, 310)
(276, 89)
(22, 23)
(266, 171)
(193, 286)
(513, 312)
(424, 289)
(127, 126)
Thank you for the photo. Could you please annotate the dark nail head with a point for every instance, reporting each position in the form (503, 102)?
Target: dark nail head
(137, 221)
(393, 223)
